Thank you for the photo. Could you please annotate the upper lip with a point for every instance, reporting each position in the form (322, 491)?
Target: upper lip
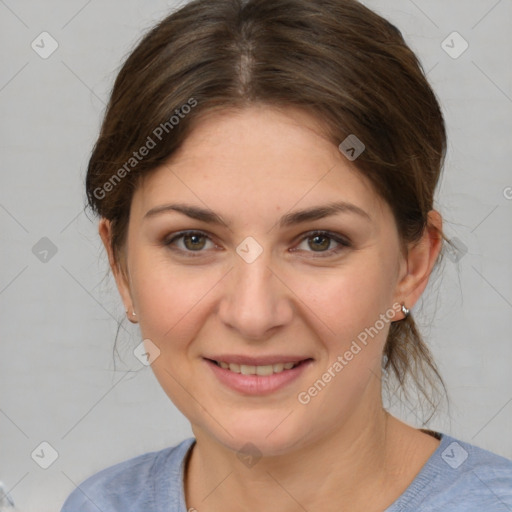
(257, 361)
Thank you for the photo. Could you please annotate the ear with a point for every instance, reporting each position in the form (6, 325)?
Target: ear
(121, 275)
(419, 261)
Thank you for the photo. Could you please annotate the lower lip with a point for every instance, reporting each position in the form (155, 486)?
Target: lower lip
(257, 384)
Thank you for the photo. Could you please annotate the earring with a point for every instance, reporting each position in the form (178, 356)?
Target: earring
(405, 311)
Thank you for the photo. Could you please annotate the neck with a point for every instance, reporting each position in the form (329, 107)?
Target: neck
(351, 465)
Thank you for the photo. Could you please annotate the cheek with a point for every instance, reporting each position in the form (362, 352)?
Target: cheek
(348, 299)
(168, 297)
(170, 304)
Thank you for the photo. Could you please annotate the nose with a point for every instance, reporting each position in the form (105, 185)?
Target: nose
(256, 300)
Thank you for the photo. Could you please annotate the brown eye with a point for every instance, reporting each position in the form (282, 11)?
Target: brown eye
(320, 241)
(324, 243)
(193, 241)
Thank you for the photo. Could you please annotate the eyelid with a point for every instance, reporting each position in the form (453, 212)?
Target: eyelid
(341, 240)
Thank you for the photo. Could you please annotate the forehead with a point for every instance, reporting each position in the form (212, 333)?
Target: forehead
(260, 158)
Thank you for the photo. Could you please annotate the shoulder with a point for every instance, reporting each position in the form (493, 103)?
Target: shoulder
(463, 477)
(136, 484)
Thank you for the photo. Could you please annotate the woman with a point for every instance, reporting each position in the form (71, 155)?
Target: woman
(264, 177)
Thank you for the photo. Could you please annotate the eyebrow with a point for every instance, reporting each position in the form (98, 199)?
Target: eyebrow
(290, 219)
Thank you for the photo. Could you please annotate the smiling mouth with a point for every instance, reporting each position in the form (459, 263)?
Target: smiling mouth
(264, 370)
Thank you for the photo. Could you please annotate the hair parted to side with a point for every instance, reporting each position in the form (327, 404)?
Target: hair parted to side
(335, 59)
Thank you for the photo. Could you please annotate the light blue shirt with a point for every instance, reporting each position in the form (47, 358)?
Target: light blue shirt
(458, 477)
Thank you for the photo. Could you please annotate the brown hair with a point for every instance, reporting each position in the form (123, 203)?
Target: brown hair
(335, 59)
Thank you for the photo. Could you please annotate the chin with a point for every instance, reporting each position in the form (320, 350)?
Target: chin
(267, 433)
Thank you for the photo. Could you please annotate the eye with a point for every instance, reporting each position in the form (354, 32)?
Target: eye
(322, 240)
(191, 241)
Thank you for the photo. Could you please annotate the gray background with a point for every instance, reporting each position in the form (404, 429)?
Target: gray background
(59, 316)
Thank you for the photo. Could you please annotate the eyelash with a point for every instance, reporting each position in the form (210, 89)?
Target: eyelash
(327, 234)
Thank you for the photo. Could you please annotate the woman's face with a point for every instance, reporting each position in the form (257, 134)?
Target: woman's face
(253, 284)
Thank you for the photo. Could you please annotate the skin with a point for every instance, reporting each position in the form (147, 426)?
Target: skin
(251, 167)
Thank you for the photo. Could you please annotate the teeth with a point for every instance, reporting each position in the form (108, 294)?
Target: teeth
(264, 370)
(268, 369)
(247, 370)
